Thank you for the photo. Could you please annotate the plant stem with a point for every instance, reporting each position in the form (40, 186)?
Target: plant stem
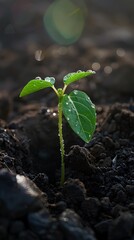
(62, 151)
(55, 90)
(64, 88)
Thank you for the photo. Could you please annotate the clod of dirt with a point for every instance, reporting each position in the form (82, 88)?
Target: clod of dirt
(120, 119)
(122, 228)
(71, 227)
(97, 150)
(90, 207)
(20, 199)
(80, 159)
(39, 222)
(102, 228)
(18, 195)
(14, 151)
(74, 192)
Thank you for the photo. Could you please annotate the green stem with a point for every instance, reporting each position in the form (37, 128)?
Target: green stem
(55, 90)
(62, 151)
(64, 88)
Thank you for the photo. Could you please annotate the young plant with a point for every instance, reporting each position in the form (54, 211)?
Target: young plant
(77, 108)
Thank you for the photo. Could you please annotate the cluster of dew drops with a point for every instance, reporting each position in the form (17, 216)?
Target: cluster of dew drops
(47, 79)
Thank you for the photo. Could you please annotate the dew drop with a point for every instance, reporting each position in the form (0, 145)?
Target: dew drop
(93, 106)
(87, 98)
(65, 78)
(75, 92)
(47, 79)
(69, 110)
(66, 103)
(90, 71)
(68, 118)
(38, 78)
(50, 79)
(48, 110)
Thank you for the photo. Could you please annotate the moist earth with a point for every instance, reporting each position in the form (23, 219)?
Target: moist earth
(96, 201)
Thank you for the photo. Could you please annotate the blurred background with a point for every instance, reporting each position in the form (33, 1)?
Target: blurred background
(51, 38)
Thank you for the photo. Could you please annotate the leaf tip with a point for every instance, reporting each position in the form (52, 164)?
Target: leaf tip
(21, 95)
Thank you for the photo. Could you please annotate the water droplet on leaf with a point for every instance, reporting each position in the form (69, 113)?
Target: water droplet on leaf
(50, 79)
(93, 72)
(92, 106)
(38, 78)
(87, 98)
(75, 92)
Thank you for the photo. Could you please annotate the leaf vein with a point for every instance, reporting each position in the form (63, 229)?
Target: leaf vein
(84, 107)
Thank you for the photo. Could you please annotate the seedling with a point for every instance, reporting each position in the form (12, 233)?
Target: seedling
(76, 107)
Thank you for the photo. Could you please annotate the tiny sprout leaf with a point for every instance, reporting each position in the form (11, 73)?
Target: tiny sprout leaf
(36, 85)
(80, 113)
(75, 76)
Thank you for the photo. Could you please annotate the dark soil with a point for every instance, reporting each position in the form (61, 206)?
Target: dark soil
(96, 201)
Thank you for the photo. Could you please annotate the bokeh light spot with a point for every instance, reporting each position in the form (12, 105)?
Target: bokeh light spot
(39, 55)
(64, 21)
(120, 52)
(96, 66)
(108, 69)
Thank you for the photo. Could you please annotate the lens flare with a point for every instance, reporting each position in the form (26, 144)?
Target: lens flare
(64, 21)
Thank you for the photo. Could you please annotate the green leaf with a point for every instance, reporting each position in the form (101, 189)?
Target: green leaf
(36, 85)
(80, 113)
(75, 76)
